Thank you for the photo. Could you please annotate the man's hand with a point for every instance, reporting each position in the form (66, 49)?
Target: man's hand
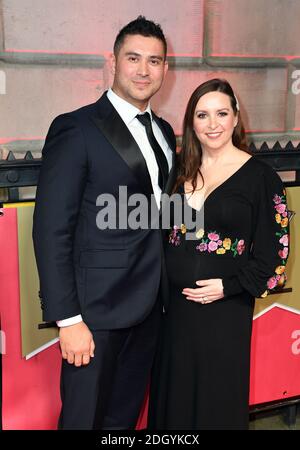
(210, 291)
(77, 344)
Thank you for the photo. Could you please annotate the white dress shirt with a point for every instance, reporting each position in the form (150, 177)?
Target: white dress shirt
(128, 114)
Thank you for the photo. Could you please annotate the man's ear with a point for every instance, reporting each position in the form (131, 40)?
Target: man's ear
(166, 68)
(112, 63)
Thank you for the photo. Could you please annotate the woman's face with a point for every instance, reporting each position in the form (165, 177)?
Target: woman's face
(214, 120)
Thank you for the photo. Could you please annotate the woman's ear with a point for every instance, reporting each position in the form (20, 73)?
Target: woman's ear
(236, 119)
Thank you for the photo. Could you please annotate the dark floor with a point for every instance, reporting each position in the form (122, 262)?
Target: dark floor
(276, 419)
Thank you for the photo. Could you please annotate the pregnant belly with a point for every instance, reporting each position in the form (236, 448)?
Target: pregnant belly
(184, 267)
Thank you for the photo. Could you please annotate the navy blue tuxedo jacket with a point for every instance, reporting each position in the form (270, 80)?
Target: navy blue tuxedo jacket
(111, 277)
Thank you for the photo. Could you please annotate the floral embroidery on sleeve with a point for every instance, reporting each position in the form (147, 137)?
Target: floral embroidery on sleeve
(282, 219)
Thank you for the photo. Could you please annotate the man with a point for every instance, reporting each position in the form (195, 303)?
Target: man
(102, 286)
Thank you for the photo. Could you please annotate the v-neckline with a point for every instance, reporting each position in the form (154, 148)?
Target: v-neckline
(220, 185)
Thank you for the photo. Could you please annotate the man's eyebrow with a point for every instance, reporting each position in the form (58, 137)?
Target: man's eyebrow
(156, 57)
(150, 57)
(132, 54)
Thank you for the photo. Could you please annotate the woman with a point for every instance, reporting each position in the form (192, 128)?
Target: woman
(201, 374)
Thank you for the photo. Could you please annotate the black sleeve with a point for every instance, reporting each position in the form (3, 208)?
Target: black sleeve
(269, 252)
(59, 193)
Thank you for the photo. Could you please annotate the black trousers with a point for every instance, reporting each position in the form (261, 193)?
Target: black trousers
(108, 393)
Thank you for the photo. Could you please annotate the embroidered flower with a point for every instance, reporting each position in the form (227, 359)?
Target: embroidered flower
(212, 246)
(183, 228)
(213, 236)
(282, 219)
(279, 270)
(277, 199)
(202, 247)
(240, 246)
(284, 240)
(227, 243)
(272, 282)
(280, 208)
(212, 243)
(283, 253)
(174, 237)
(200, 233)
(282, 280)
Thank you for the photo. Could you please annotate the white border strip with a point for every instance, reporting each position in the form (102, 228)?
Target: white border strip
(278, 305)
(40, 349)
(274, 305)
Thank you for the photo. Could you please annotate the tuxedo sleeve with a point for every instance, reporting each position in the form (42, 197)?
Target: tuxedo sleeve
(265, 270)
(59, 194)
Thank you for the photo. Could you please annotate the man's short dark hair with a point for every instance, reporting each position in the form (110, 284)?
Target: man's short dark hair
(141, 26)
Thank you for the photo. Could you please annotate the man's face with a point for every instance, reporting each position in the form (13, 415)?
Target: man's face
(139, 69)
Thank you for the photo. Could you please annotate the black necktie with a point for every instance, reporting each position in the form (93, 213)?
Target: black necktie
(163, 168)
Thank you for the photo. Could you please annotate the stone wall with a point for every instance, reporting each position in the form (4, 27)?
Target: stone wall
(53, 58)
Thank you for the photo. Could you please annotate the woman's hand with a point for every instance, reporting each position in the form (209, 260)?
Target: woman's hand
(208, 292)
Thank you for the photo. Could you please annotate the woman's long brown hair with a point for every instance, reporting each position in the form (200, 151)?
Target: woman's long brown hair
(190, 156)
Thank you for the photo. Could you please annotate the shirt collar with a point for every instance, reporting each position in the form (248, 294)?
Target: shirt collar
(126, 110)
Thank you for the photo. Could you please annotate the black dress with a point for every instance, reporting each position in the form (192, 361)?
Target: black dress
(201, 373)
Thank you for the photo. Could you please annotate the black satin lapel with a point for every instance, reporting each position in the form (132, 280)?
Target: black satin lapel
(116, 132)
(172, 144)
(160, 123)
